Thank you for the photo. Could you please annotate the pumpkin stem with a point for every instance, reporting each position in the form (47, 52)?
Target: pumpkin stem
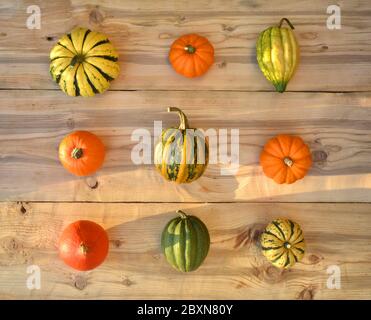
(287, 245)
(190, 49)
(83, 248)
(288, 22)
(182, 214)
(288, 161)
(76, 153)
(79, 58)
(183, 119)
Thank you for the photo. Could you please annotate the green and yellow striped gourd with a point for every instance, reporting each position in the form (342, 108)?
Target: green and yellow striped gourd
(182, 153)
(277, 52)
(84, 63)
(283, 243)
(185, 242)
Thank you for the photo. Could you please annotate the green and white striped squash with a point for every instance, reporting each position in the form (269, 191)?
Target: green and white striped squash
(282, 243)
(181, 154)
(277, 52)
(185, 242)
(84, 63)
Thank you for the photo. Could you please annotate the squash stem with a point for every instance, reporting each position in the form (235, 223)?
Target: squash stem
(288, 161)
(83, 248)
(190, 49)
(287, 245)
(79, 58)
(182, 214)
(76, 153)
(183, 119)
(288, 22)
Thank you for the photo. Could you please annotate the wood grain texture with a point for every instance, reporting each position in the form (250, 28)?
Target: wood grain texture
(38, 198)
(337, 128)
(142, 31)
(136, 268)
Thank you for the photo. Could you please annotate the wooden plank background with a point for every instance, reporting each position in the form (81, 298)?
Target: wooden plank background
(135, 267)
(328, 103)
(142, 31)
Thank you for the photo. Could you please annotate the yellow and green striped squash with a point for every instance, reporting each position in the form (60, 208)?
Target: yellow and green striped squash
(185, 242)
(277, 52)
(181, 154)
(282, 243)
(84, 63)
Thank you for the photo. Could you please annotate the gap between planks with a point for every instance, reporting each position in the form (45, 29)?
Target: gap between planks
(199, 90)
(185, 202)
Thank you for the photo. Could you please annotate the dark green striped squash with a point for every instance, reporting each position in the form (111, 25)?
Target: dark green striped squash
(84, 63)
(185, 242)
(182, 153)
(282, 243)
(277, 52)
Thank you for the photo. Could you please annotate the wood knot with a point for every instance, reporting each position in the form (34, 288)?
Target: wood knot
(273, 274)
(180, 19)
(222, 64)
(228, 28)
(241, 284)
(50, 38)
(3, 34)
(23, 209)
(15, 252)
(96, 16)
(92, 182)
(117, 243)
(10, 244)
(324, 47)
(313, 259)
(70, 123)
(306, 294)
(268, 273)
(127, 282)
(80, 282)
(249, 236)
(319, 156)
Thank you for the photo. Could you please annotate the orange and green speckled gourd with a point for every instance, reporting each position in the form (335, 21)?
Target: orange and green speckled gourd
(182, 153)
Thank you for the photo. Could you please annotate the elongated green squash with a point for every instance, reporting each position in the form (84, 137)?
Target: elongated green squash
(185, 242)
(277, 52)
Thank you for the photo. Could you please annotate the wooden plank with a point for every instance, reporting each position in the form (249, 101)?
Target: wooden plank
(234, 6)
(336, 234)
(142, 31)
(337, 128)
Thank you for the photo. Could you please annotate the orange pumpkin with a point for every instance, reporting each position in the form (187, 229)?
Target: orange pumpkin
(191, 55)
(83, 245)
(286, 159)
(81, 153)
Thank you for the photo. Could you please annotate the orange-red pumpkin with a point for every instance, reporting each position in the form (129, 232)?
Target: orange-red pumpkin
(81, 153)
(83, 245)
(286, 159)
(191, 55)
